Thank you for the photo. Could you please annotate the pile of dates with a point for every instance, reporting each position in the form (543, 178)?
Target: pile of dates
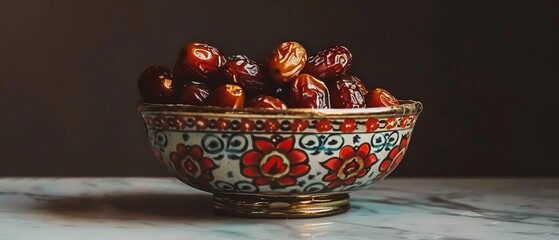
(286, 78)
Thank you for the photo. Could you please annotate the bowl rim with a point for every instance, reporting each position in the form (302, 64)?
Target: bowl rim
(406, 107)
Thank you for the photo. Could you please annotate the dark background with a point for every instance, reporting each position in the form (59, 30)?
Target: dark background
(484, 70)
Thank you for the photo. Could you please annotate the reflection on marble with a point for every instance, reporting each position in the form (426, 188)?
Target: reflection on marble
(163, 208)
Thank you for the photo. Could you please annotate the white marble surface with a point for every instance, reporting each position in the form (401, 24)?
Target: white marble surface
(163, 208)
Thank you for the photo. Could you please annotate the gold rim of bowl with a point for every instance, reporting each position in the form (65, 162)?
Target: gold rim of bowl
(406, 107)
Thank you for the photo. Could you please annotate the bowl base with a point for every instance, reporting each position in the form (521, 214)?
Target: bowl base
(258, 206)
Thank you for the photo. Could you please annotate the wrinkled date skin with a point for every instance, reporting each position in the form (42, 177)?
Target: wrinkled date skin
(380, 97)
(200, 60)
(227, 95)
(286, 61)
(308, 92)
(347, 91)
(329, 63)
(244, 72)
(156, 84)
(193, 93)
(265, 101)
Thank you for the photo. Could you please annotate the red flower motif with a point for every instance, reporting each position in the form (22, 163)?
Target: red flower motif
(246, 125)
(351, 164)
(274, 162)
(149, 121)
(323, 125)
(391, 123)
(394, 158)
(180, 123)
(190, 162)
(201, 123)
(348, 125)
(372, 124)
(299, 125)
(223, 124)
(271, 125)
(404, 121)
(161, 121)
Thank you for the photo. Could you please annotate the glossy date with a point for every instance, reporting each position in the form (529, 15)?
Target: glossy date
(347, 91)
(200, 60)
(265, 101)
(193, 93)
(156, 84)
(308, 92)
(380, 97)
(329, 63)
(285, 77)
(246, 73)
(227, 95)
(286, 61)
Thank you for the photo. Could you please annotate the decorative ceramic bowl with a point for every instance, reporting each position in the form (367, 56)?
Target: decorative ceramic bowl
(280, 163)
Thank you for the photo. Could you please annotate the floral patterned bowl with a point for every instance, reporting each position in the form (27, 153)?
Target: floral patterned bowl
(270, 163)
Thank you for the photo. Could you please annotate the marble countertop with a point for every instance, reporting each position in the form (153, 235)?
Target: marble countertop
(163, 208)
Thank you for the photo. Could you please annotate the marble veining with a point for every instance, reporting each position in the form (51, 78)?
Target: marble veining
(164, 208)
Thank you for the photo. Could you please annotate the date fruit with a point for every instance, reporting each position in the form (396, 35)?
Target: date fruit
(246, 73)
(227, 95)
(200, 61)
(193, 93)
(329, 63)
(265, 101)
(347, 91)
(308, 92)
(285, 77)
(156, 84)
(380, 97)
(286, 61)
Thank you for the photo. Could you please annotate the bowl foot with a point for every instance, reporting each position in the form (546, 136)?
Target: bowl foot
(258, 206)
